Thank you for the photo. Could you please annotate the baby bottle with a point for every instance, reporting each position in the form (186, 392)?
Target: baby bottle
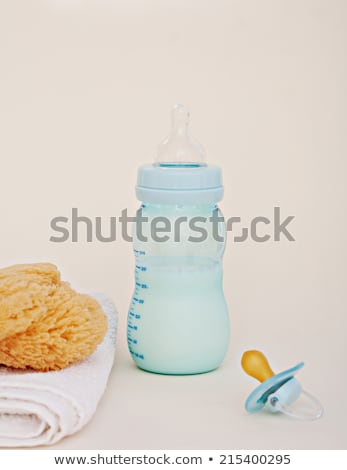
(178, 319)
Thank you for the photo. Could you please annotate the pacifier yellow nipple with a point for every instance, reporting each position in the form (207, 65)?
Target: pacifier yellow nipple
(255, 364)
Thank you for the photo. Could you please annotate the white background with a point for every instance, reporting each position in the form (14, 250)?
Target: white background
(85, 93)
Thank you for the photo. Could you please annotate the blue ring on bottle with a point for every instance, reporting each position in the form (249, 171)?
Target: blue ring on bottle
(179, 184)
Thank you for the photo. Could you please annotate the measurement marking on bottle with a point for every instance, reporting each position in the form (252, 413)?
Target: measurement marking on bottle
(132, 340)
(142, 286)
(141, 268)
(137, 301)
(139, 356)
(137, 316)
(139, 252)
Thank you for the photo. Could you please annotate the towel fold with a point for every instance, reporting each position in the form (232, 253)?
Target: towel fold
(40, 408)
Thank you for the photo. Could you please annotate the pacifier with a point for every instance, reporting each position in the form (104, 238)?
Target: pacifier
(277, 392)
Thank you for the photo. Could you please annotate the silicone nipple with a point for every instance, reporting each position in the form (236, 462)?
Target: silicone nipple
(255, 364)
(277, 392)
(179, 149)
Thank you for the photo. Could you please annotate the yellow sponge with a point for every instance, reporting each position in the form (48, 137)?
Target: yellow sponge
(44, 324)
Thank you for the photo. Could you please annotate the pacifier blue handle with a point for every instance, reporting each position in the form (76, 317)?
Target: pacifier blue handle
(286, 394)
(277, 391)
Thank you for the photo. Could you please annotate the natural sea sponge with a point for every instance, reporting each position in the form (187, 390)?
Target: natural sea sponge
(44, 324)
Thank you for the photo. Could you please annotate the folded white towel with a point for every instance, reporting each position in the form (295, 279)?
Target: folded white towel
(40, 408)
